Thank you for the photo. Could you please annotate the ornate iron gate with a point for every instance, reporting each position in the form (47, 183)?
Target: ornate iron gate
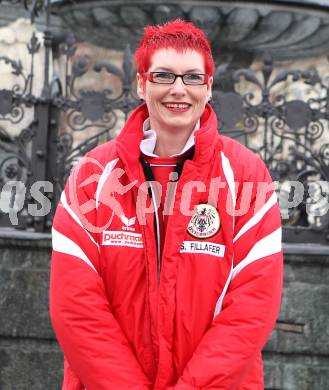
(290, 135)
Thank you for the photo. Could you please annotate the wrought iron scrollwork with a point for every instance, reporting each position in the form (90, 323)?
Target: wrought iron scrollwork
(91, 110)
(18, 107)
(290, 135)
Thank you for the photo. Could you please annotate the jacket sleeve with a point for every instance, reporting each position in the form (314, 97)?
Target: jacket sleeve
(246, 316)
(97, 353)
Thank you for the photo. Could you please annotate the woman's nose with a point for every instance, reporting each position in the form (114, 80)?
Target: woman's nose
(178, 87)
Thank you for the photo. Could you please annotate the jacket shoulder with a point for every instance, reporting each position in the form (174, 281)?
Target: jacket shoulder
(246, 164)
(96, 160)
(104, 152)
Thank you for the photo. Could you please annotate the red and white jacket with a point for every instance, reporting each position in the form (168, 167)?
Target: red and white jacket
(201, 318)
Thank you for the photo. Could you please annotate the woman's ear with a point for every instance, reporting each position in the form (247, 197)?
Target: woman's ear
(140, 86)
(209, 87)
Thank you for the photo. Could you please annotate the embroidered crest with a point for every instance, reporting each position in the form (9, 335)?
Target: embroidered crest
(205, 221)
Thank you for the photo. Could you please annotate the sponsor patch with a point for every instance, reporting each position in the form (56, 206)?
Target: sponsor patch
(204, 222)
(119, 238)
(206, 247)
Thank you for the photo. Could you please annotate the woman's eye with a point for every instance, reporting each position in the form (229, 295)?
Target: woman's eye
(163, 75)
(192, 76)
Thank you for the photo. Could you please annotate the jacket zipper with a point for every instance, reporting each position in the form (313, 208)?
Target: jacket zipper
(150, 177)
(157, 231)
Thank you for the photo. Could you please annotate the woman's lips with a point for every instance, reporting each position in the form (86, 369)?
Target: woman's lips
(177, 107)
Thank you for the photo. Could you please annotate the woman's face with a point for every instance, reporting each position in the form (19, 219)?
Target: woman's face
(160, 98)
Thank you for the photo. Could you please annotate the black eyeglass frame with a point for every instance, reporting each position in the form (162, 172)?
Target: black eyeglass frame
(150, 77)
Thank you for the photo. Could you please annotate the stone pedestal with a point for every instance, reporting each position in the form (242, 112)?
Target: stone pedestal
(296, 356)
(29, 354)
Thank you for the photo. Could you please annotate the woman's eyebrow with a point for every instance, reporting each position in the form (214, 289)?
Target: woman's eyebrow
(195, 70)
(164, 69)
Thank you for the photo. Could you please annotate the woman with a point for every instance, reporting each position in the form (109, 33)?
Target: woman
(167, 266)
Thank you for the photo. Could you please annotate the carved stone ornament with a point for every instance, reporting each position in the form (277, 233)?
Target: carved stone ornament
(249, 27)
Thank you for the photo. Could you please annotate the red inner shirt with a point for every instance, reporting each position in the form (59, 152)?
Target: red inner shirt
(162, 168)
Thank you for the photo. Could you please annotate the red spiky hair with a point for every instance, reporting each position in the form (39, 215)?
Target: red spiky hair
(176, 34)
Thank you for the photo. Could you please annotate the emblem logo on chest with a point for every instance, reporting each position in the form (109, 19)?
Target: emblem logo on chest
(205, 221)
(128, 223)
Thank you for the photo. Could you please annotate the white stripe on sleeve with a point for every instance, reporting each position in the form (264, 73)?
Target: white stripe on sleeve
(105, 174)
(63, 244)
(267, 246)
(229, 175)
(75, 217)
(219, 303)
(257, 217)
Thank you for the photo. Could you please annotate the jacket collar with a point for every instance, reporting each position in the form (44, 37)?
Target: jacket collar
(129, 139)
(147, 145)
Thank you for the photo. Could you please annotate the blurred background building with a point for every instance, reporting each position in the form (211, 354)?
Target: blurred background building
(67, 83)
